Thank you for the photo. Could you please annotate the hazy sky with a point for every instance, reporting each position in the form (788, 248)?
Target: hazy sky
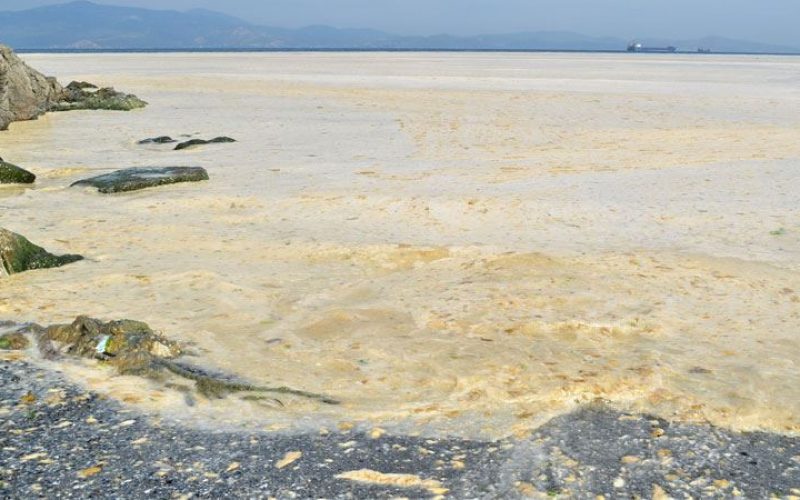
(759, 20)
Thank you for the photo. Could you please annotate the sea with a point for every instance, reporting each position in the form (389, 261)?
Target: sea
(450, 243)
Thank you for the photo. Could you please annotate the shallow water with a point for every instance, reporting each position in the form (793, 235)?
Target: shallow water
(449, 243)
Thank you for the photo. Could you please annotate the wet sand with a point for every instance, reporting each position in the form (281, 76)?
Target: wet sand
(459, 244)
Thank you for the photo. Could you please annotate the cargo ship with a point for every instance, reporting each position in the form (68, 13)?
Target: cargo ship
(638, 47)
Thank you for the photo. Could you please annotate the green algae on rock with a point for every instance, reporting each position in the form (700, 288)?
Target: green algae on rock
(14, 341)
(132, 179)
(82, 95)
(12, 174)
(17, 255)
(133, 348)
(128, 343)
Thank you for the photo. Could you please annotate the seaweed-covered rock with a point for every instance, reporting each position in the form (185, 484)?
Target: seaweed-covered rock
(164, 139)
(133, 348)
(131, 344)
(12, 174)
(17, 255)
(82, 95)
(200, 142)
(132, 179)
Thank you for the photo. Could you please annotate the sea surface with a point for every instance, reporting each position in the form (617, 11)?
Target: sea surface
(450, 243)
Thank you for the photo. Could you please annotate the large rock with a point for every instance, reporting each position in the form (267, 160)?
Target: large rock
(17, 255)
(132, 179)
(12, 174)
(25, 93)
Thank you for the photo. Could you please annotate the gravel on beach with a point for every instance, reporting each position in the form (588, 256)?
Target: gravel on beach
(59, 441)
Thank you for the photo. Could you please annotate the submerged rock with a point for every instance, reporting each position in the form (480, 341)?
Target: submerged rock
(200, 142)
(132, 179)
(17, 255)
(164, 139)
(82, 95)
(12, 174)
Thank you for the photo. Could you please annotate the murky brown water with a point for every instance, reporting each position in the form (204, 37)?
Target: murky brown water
(464, 244)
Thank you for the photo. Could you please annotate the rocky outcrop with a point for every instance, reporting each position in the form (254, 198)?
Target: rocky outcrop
(17, 255)
(25, 93)
(132, 179)
(200, 142)
(12, 174)
(83, 95)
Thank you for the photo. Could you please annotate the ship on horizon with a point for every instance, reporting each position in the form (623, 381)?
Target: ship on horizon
(639, 47)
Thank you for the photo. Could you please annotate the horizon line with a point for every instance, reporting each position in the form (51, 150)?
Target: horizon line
(359, 49)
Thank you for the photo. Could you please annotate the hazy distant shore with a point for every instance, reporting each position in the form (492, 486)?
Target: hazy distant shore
(386, 50)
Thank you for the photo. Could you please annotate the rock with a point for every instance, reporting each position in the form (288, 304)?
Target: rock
(12, 174)
(164, 139)
(200, 142)
(77, 95)
(17, 255)
(14, 341)
(25, 94)
(132, 179)
(74, 85)
(127, 342)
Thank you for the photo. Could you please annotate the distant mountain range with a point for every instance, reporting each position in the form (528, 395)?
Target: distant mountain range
(87, 25)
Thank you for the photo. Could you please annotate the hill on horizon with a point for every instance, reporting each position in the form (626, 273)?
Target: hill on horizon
(88, 25)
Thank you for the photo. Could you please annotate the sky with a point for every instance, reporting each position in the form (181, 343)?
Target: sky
(772, 21)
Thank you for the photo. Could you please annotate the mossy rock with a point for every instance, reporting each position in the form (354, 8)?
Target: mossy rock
(133, 179)
(18, 254)
(131, 346)
(13, 342)
(12, 174)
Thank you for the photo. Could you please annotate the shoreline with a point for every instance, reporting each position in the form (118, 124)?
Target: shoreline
(57, 436)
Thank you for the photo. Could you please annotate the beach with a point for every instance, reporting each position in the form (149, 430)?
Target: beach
(463, 245)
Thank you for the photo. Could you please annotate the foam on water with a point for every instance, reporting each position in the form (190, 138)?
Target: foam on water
(449, 243)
